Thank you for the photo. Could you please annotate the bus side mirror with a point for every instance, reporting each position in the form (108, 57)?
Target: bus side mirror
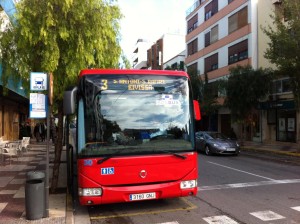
(70, 101)
(197, 110)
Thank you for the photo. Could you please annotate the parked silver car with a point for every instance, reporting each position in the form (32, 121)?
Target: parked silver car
(216, 143)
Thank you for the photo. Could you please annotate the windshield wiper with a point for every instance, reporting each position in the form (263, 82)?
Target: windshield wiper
(174, 154)
(108, 157)
(112, 155)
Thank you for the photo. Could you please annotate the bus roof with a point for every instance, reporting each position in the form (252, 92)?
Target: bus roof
(131, 72)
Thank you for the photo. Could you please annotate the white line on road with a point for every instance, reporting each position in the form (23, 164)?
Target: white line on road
(250, 184)
(169, 223)
(242, 171)
(267, 215)
(297, 208)
(222, 219)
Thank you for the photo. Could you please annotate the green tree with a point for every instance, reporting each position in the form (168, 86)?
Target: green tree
(125, 63)
(205, 93)
(244, 89)
(196, 83)
(284, 45)
(60, 37)
(210, 96)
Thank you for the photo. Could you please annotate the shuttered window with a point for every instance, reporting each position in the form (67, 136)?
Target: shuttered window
(192, 23)
(192, 68)
(212, 36)
(211, 63)
(210, 9)
(193, 47)
(238, 20)
(238, 52)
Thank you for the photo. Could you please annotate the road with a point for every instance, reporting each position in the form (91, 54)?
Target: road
(231, 189)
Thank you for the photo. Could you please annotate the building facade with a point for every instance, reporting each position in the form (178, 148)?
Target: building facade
(164, 49)
(139, 58)
(14, 104)
(226, 33)
(176, 63)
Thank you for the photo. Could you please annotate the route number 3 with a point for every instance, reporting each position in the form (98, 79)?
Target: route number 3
(104, 85)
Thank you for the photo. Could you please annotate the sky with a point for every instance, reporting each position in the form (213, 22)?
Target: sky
(151, 19)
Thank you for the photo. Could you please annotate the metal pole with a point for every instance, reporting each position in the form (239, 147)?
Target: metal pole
(47, 161)
(68, 152)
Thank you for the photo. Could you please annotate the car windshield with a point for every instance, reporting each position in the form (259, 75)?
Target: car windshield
(134, 115)
(217, 136)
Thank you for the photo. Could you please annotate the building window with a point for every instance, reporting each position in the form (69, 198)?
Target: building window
(238, 20)
(192, 23)
(193, 47)
(192, 68)
(210, 9)
(238, 52)
(212, 36)
(211, 63)
(282, 86)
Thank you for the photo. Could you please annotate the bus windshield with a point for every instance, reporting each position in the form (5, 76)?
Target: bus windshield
(134, 114)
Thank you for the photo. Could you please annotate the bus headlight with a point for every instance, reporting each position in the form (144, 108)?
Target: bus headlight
(89, 191)
(188, 184)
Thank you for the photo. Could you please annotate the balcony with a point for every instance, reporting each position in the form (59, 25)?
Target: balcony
(193, 7)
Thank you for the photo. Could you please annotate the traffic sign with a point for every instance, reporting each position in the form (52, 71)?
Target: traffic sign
(38, 81)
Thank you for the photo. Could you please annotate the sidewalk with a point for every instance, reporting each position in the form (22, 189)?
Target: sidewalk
(12, 187)
(283, 148)
(13, 179)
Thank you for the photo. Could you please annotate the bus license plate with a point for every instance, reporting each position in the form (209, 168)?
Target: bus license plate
(144, 196)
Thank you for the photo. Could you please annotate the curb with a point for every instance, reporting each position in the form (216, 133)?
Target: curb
(295, 154)
(69, 209)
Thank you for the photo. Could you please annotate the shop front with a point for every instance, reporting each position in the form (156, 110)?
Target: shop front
(281, 117)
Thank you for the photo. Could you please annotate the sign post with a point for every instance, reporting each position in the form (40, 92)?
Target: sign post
(40, 108)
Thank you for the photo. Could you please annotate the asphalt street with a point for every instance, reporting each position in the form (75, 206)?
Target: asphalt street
(243, 189)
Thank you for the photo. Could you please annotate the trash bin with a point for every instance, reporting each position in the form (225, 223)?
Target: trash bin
(35, 195)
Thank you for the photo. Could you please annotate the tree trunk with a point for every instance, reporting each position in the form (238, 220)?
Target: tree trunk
(58, 149)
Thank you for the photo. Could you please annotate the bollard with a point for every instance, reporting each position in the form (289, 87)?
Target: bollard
(35, 195)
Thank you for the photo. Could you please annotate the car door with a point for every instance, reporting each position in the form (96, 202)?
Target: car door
(200, 141)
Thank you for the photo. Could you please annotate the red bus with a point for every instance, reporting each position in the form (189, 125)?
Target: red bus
(135, 135)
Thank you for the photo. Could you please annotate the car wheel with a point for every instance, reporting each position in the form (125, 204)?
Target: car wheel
(236, 154)
(207, 150)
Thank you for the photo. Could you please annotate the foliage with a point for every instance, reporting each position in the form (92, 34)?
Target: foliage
(125, 63)
(204, 92)
(176, 66)
(210, 94)
(61, 37)
(245, 88)
(197, 84)
(284, 45)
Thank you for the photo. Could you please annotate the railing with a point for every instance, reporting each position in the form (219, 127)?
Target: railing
(194, 6)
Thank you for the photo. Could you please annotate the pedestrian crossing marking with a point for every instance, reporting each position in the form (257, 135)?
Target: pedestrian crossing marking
(2, 206)
(169, 223)
(297, 208)
(222, 219)
(267, 215)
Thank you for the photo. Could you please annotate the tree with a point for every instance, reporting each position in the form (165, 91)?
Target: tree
(125, 63)
(210, 95)
(284, 45)
(196, 84)
(244, 89)
(60, 37)
(204, 93)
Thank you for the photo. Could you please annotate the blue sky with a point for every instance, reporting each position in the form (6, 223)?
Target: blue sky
(150, 19)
